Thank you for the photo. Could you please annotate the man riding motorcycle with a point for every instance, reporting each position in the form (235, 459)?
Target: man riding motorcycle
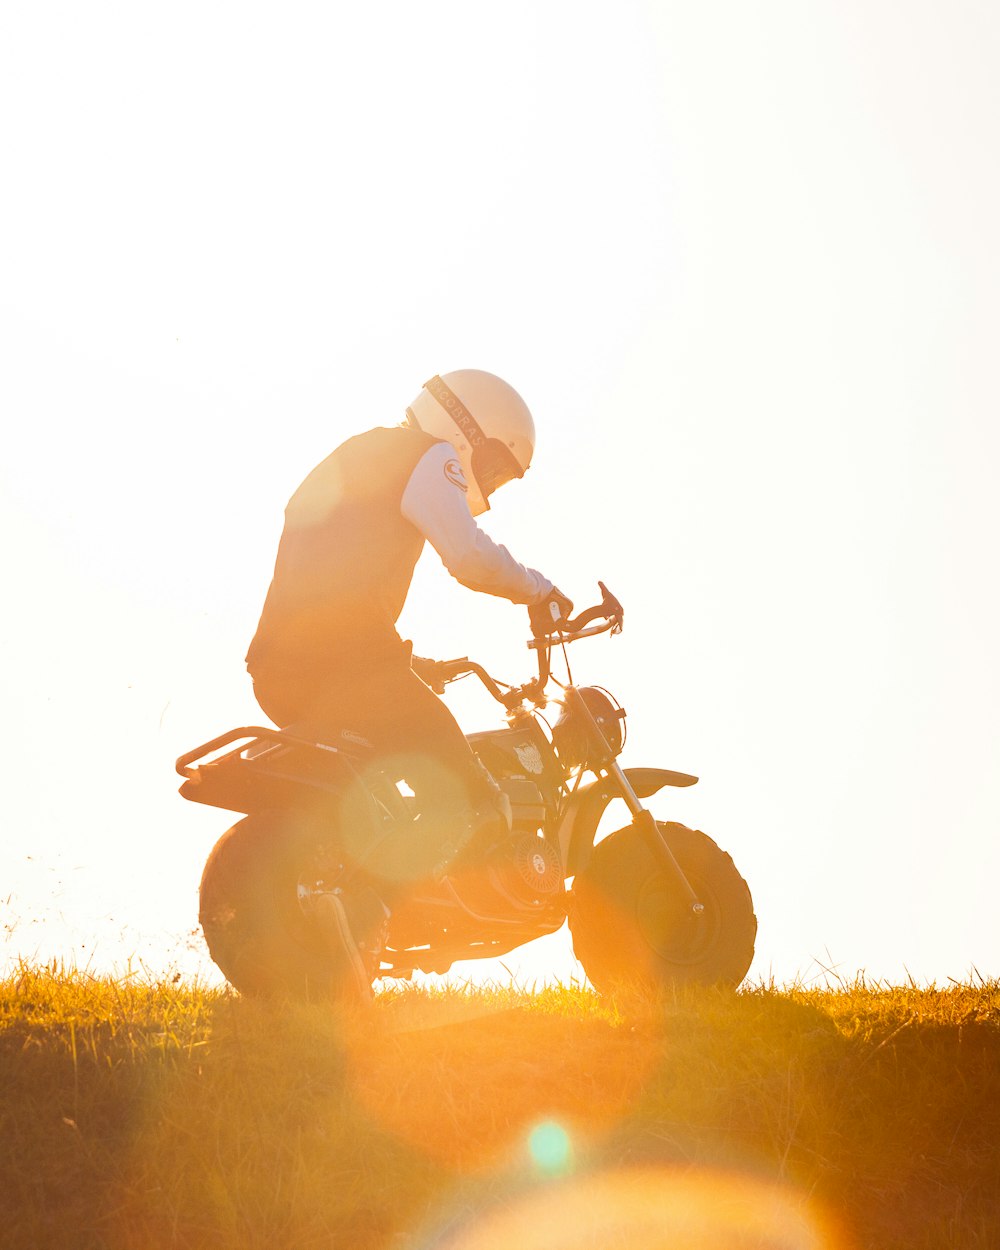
(327, 655)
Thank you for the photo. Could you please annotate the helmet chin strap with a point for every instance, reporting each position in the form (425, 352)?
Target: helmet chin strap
(455, 409)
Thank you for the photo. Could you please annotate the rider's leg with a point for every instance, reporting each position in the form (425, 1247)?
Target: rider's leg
(416, 738)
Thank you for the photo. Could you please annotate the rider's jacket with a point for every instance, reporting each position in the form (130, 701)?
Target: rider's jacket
(353, 533)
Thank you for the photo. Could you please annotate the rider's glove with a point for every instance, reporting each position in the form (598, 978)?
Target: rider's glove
(429, 672)
(547, 616)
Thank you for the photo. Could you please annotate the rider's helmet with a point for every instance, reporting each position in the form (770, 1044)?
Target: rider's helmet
(485, 420)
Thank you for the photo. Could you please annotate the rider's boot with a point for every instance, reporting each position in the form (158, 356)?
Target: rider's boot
(477, 827)
(489, 823)
(353, 926)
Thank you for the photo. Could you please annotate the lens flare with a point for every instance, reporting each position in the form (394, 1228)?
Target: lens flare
(550, 1148)
(648, 1209)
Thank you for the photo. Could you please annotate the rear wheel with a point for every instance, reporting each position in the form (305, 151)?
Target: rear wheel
(630, 924)
(250, 909)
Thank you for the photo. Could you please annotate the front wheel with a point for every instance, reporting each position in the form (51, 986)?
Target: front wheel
(629, 923)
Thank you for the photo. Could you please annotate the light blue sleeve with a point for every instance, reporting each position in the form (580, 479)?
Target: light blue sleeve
(435, 502)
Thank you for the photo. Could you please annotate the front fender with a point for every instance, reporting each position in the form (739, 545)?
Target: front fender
(579, 821)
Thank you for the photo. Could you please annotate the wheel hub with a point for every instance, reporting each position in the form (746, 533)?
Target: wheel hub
(670, 927)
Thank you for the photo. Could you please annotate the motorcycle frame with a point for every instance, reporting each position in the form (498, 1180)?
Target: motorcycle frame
(580, 819)
(572, 828)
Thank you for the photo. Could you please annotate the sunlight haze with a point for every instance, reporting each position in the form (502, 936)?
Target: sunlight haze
(742, 263)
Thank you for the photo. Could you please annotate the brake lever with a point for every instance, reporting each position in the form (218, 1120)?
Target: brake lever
(616, 613)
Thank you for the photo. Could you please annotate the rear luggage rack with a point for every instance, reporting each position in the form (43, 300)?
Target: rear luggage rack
(260, 738)
(265, 768)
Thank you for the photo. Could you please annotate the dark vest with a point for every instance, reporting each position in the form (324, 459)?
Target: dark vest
(345, 560)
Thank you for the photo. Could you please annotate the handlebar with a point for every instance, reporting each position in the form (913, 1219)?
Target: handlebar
(609, 611)
(546, 642)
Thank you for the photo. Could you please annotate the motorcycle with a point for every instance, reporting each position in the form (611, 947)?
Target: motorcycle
(654, 903)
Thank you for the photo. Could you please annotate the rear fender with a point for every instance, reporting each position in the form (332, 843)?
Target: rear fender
(578, 825)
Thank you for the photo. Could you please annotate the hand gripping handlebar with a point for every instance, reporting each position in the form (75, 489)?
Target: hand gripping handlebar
(608, 610)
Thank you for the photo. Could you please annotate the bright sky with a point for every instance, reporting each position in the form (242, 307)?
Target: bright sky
(743, 263)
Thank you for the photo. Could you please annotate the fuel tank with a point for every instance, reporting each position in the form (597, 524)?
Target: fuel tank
(523, 755)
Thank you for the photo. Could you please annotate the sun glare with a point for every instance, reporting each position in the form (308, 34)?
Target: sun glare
(649, 1209)
(741, 262)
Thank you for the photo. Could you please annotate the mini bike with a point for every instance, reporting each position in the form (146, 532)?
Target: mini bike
(653, 903)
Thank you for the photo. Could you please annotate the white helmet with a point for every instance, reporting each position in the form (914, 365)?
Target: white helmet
(487, 423)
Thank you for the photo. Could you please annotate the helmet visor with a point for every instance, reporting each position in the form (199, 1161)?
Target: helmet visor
(493, 464)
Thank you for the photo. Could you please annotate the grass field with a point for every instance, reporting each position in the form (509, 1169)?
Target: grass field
(138, 1115)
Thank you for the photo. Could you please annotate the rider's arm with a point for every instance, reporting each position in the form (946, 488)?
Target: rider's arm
(434, 501)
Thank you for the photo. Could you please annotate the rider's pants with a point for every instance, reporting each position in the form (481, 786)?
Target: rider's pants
(414, 737)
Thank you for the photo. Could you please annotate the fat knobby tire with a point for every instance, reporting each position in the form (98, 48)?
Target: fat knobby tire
(629, 924)
(250, 914)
